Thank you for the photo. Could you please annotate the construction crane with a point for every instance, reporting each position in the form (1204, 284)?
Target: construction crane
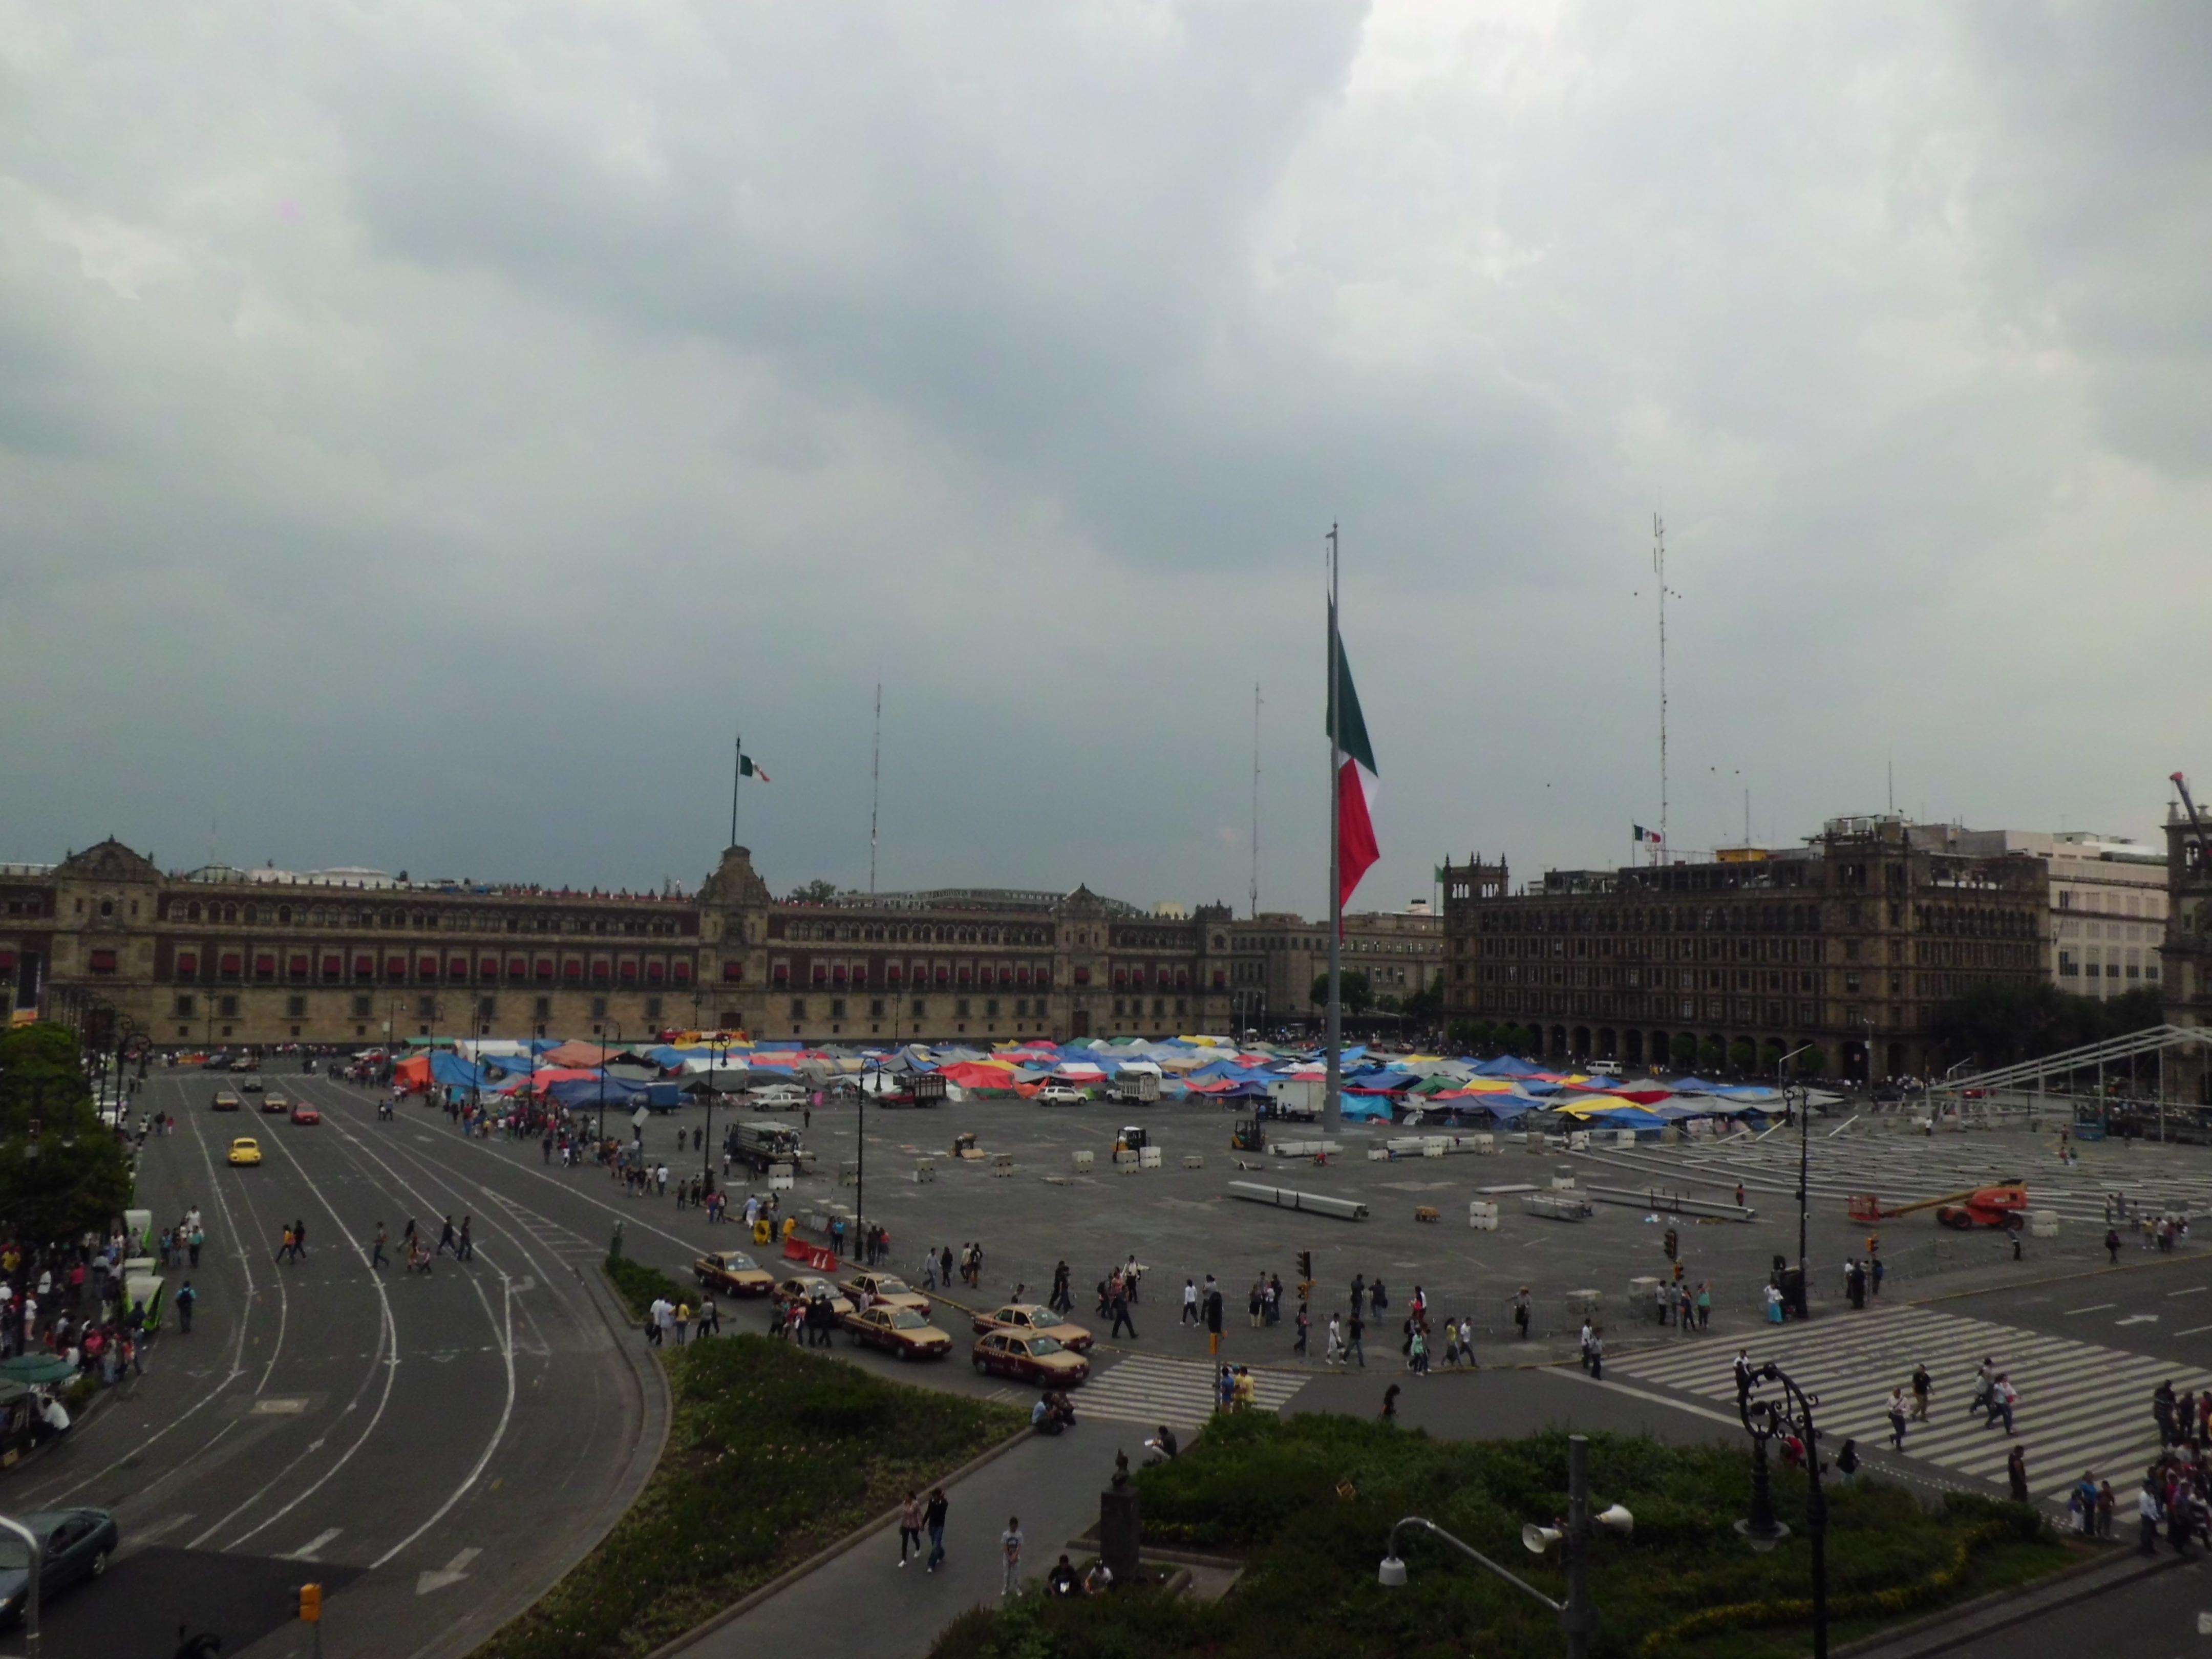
(2195, 824)
(2003, 1206)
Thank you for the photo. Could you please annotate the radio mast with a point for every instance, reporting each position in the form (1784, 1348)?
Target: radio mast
(1256, 803)
(875, 783)
(1659, 565)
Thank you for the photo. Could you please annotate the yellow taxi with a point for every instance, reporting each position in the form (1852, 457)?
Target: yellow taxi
(245, 1150)
(899, 1331)
(886, 1290)
(731, 1273)
(803, 1289)
(1038, 1359)
(1031, 1319)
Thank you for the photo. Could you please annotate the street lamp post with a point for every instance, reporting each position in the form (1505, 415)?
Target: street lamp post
(1804, 1166)
(603, 1079)
(1579, 1613)
(1763, 1420)
(706, 1151)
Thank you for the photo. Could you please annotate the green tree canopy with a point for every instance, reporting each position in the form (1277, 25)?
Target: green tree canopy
(1998, 1023)
(816, 891)
(73, 1176)
(1358, 994)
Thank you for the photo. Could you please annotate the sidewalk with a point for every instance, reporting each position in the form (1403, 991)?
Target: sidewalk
(863, 1602)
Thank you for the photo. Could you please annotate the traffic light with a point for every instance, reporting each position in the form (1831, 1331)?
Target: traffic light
(311, 1603)
(1305, 1275)
(1672, 1244)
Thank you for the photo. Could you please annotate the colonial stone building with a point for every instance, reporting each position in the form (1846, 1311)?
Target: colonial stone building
(217, 956)
(1278, 955)
(1849, 944)
(2187, 950)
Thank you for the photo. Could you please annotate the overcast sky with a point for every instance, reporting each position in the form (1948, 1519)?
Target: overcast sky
(428, 432)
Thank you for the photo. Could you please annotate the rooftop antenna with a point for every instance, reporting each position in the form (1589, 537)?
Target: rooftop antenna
(875, 786)
(1892, 787)
(1255, 802)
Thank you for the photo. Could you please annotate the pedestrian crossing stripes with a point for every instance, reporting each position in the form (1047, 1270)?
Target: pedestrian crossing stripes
(1181, 1393)
(2082, 1405)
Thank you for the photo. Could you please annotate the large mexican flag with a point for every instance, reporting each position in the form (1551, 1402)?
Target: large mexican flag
(1356, 778)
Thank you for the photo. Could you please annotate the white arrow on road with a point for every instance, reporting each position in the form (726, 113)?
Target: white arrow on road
(2137, 1319)
(453, 1571)
(307, 1552)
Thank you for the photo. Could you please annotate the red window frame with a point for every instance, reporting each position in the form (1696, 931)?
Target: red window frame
(188, 962)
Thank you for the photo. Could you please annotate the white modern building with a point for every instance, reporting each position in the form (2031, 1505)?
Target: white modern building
(2108, 902)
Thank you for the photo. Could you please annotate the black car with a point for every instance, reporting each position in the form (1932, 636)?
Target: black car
(79, 1544)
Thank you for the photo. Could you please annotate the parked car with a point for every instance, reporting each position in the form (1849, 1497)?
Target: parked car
(888, 1289)
(304, 1113)
(1038, 1359)
(245, 1150)
(1058, 1094)
(901, 1331)
(78, 1545)
(1032, 1319)
(731, 1273)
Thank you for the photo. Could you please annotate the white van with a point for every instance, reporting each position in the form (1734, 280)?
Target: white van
(1604, 1068)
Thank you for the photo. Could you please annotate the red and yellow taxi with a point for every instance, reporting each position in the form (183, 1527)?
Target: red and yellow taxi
(1032, 1319)
(731, 1273)
(1038, 1359)
(887, 1288)
(900, 1331)
(802, 1290)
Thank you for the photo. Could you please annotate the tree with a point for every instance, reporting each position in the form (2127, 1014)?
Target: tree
(816, 891)
(1685, 1051)
(1996, 1023)
(1710, 1054)
(1743, 1055)
(1358, 994)
(1427, 1006)
(1813, 1062)
(72, 1177)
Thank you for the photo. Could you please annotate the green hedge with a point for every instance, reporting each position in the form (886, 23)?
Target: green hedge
(772, 1453)
(1309, 1502)
(639, 1286)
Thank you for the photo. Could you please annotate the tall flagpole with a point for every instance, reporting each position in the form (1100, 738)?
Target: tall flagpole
(1332, 1102)
(737, 771)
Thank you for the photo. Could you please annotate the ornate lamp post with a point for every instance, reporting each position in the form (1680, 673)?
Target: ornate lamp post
(1763, 1418)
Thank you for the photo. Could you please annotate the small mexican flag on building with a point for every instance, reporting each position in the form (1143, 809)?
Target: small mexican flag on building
(1356, 777)
(747, 769)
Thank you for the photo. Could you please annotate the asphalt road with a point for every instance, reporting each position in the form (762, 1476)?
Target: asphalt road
(433, 1449)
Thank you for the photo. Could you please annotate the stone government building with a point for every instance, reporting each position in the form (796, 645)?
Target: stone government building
(221, 954)
(1849, 943)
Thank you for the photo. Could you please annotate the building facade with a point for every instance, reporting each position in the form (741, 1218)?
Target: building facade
(222, 955)
(1278, 955)
(2108, 902)
(2187, 950)
(1848, 944)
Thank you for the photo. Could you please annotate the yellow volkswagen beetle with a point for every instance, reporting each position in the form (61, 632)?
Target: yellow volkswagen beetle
(245, 1150)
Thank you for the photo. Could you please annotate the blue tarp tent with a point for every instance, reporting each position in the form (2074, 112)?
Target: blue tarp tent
(1365, 1108)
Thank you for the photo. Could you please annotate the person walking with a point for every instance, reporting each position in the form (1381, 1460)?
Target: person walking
(2112, 1246)
(376, 1246)
(1190, 1301)
(1010, 1552)
(1304, 1320)
(2016, 1473)
(1923, 1386)
(284, 1248)
(2002, 1398)
(1847, 1461)
(1119, 1305)
(1521, 1311)
(1897, 1419)
(932, 1516)
(465, 1248)
(1390, 1404)
(299, 1241)
(1335, 1354)
(910, 1525)
(2162, 1412)
(185, 1298)
(446, 1238)
(2148, 1513)
(192, 1242)
(1597, 1356)
(1353, 1332)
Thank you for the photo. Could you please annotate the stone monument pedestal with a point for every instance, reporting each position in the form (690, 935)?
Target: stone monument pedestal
(1121, 1532)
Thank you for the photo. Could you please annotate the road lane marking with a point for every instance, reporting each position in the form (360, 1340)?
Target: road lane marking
(2137, 1319)
(2194, 1330)
(279, 1405)
(452, 1573)
(307, 1550)
(154, 1532)
(2194, 1290)
(2094, 1307)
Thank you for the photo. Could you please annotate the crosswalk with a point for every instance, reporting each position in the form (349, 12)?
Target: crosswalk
(2082, 1405)
(1149, 1389)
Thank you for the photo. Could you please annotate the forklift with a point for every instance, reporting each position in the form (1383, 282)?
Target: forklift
(1132, 1138)
(1246, 1136)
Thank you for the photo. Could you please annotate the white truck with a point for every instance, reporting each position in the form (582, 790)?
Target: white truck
(1134, 1087)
